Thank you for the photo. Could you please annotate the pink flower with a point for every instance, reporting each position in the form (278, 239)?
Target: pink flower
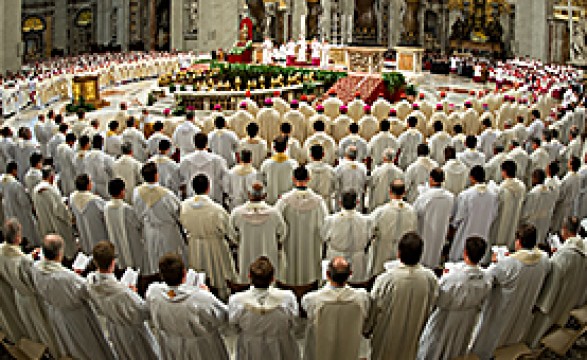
(166, 111)
(191, 108)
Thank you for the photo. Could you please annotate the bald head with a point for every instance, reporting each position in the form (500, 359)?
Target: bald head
(339, 271)
(12, 231)
(53, 247)
(257, 191)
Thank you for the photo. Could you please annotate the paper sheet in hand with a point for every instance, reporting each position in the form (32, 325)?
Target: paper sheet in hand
(391, 264)
(195, 278)
(81, 262)
(325, 268)
(130, 277)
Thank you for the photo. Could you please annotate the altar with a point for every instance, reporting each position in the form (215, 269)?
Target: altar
(409, 58)
(359, 58)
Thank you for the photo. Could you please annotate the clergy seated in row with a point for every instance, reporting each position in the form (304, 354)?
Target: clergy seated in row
(125, 311)
(187, 319)
(462, 292)
(403, 297)
(337, 314)
(516, 281)
(65, 298)
(264, 317)
(258, 229)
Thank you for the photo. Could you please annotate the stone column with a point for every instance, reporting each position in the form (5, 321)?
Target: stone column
(61, 25)
(10, 35)
(153, 24)
(176, 26)
(411, 35)
(325, 19)
(299, 12)
(531, 32)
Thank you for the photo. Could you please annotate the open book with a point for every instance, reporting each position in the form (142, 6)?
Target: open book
(130, 277)
(81, 262)
(194, 278)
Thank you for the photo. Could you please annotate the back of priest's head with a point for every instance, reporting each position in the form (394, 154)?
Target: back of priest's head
(261, 273)
(103, 255)
(172, 269)
(339, 271)
(410, 248)
(526, 237)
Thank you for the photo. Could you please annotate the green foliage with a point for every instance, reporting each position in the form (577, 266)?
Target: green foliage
(411, 90)
(81, 105)
(182, 88)
(172, 88)
(179, 111)
(394, 81)
(151, 99)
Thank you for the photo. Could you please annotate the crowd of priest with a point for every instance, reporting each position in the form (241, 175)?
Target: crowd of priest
(437, 230)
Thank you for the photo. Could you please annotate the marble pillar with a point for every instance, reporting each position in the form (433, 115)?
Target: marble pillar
(531, 32)
(10, 35)
(60, 39)
(411, 35)
(326, 20)
(299, 11)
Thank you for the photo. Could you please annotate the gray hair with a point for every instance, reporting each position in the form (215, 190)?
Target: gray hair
(12, 230)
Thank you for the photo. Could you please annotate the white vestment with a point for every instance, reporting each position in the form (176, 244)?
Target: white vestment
(462, 292)
(125, 230)
(88, 210)
(238, 183)
(128, 169)
(511, 194)
(224, 143)
(209, 164)
(403, 298)
(417, 174)
(390, 221)
(17, 203)
(277, 173)
(206, 224)
(433, 209)
(379, 185)
(475, 210)
(303, 212)
(264, 319)
(126, 315)
(158, 210)
(187, 321)
(348, 234)
(258, 229)
(65, 299)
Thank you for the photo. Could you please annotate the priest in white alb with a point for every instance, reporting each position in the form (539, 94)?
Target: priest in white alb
(258, 230)
(239, 180)
(125, 312)
(433, 208)
(52, 214)
(206, 224)
(125, 230)
(186, 318)
(381, 177)
(66, 301)
(158, 210)
(264, 316)
(403, 297)
(461, 294)
(348, 234)
(88, 209)
(276, 172)
(390, 222)
(303, 212)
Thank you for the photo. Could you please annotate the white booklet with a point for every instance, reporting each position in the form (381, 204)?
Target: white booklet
(81, 262)
(130, 277)
(325, 268)
(501, 251)
(194, 278)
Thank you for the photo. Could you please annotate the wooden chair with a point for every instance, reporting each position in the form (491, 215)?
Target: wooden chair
(512, 352)
(561, 340)
(236, 288)
(367, 285)
(299, 291)
(467, 357)
(32, 350)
